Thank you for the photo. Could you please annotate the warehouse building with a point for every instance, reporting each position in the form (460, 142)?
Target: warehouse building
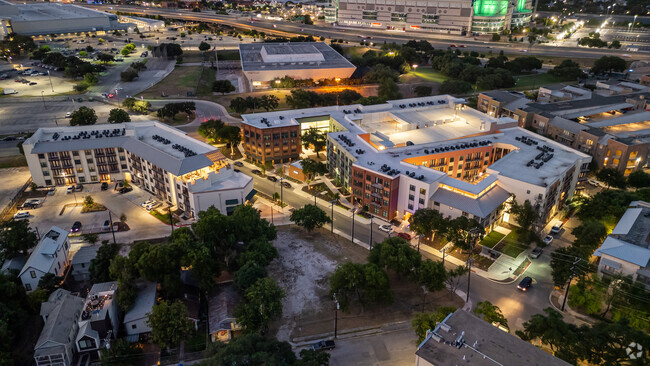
(264, 62)
(54, 18)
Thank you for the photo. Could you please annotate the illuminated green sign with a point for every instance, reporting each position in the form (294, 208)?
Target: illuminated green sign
(487, 8)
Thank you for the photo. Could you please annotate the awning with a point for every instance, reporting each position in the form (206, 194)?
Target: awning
(610, 263)
(250, 195)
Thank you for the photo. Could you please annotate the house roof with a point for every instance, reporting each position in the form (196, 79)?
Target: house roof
(624, 251)
(626, 222)
(221, 307)
(85, 254)
(481, 207)
(482, 345)
(43, 255)
(16, 263)
(60, 319)
(144, 302)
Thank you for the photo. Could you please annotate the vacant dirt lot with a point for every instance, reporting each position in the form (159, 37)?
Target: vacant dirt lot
(305, 264)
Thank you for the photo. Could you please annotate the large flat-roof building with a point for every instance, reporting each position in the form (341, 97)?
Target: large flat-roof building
(432, 152)
(53, 18)
(160, 159)
(264, 62)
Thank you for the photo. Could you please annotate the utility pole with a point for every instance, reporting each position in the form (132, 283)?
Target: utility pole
(472, 232)
(332, 216)
(336, 316)
(371, 217)
(110, 219)
(352, 226)
(444, 251)
(171, 218)
(573, 273)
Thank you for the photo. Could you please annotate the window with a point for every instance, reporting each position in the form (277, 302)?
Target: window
(457, 175)
(410, 206)
(385, 213)
(28, 287)
(48, 182)
(423, 191)
(41, 156)
(376, 210)
(90, 161)
(123, 166)
(421, 200)
(43, 164)
(46, 173)
(77, 161)
(411, 197)
(133, 326)
(82, 179)
(412, 188)
(451, 160)
(387, 184)
(32, 273)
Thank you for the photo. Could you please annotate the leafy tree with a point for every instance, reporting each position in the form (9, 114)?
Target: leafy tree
(263, 302)
(454, 87)
(365, 282)
(128, 75)
(121, 352)
(589, 234)
(427, 221)
(141, 106)
(128, 102)
(490, 313)
(50, 282)
(210, 129)
(162, 263)
(310, 217)
(299, 99)
(396, 254)
(16, 238)
(310, 357)
(259, 251)
(615, 44)
(169, 323)
(554, 332)
(423, 90)
(313, 168)
(583, 296)
(105, 58)
(253, 349)
(562, 260)
(83, 116)
(232, 135)
(204, 46)
(639, 179)
(379, 72)
(606, 343)
(307, 20)
(223, 86)
(432, 275)
(239, 105)
(91, 79)
(608, 64)
(388, 89)
(315, 138)
(99, 266)
(423, 322)
(567, 69)
(14, 312)
(496, 37)
(269, 102)
(454, 278)
(525, 216)
(118, 115)
(248, 275)
(612, 177)
(464, 232)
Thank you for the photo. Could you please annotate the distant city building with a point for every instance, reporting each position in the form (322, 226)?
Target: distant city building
(160, 159)
(626, 251)
(143, 24)
(49, 256)
(53, 18)
(447, 17)
(262, 63)
(462, 338)
(434, 152)
(609, 123)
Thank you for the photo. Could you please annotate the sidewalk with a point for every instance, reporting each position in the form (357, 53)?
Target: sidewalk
(333, 188)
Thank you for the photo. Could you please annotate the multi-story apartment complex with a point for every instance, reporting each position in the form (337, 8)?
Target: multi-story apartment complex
(609, 123)
(160, 159)
(397, 157)
(448, 17)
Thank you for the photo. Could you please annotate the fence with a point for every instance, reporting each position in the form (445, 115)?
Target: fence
(11, 207)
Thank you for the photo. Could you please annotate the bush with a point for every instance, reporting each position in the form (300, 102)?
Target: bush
(455, 87)
(128, 75)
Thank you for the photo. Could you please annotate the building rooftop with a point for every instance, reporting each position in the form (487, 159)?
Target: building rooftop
(42, 256)
(463, 338)
(53, 11)
(225, 179)
(144, 302)
(504, 96)
(85, 254)
(221, 308)
(625, 251)
(162, 145)
(61, 310)
(290, 56)
(99, 300)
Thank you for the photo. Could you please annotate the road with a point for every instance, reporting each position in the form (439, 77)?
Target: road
(379, 36)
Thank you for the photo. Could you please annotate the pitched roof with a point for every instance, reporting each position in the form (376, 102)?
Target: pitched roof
(221, 307)
(43, 255)
(60, 319)
(481, 207)
(624, 251)
(144, 302)
(85, 254)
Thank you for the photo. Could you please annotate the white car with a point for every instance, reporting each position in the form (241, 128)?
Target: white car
(151, 206)
(146, 203)
(386, 228)
(593, 182)
(68, 115)
(21, 214)
(70, 189)
(548, 239)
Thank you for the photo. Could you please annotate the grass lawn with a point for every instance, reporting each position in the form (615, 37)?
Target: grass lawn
(162, 217)
(205, 84)
(429, 74)
(535, 80)
(12, 161)
(228, 55)
(511, 246)
(356, 50)
(181, 80)
(491, 239)
(197, 56)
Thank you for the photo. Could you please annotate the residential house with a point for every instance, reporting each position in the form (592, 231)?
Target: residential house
(80, 263)
(135, 320)
(13, 264)
(561, 92)
(626, 251)
(49, 256)
(100, 320)
(500, 103)
(221, 318)
(55, 346)
(462, 338)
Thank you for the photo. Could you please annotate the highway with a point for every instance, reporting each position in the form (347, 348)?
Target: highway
(288, 29)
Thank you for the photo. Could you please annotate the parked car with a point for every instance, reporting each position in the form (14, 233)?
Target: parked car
(536, 252)
(79, 187)
(32, 83)
(286, 184)
(386, 228)
(125, 190)
(21, 214)
(30, 204)
(106, 226)
(525, 284)
(75, 227)
(404, 236)
(548, 239)
(70, 189)
(239, 164)
(256, 172)
(68, 115)
(104, 186)
(594, 182)
(151, 205)
(146, 203)
(556, 227)
(323, 345)
(272, 179)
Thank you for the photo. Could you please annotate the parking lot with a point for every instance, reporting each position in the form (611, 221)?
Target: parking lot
(24, 84)
(142, 225)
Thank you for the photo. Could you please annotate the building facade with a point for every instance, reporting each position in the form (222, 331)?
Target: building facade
(49, 256)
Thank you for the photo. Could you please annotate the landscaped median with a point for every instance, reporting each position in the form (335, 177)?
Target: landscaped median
(509, 245)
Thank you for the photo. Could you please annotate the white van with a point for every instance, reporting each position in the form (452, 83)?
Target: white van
(557, 226)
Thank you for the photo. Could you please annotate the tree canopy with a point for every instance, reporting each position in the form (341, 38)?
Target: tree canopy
(263, 302)
(83, 116)
(169, 323)
(16, 238)
(118, 115)
(310, 217)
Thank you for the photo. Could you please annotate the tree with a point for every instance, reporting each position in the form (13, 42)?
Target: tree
(388, 90)
(310, 357)
(105, 58)
(615, 44)
(129, 74)
(169, 323)
(223, 86)
(315, 138)
(88, 201)
(204, 46)
(639, 179)
(423, 322)
(232, 135)
(239, 105)
(496, 37)
(99, 266)
(454, 87)
(210, 129)
(121, 352)
(552, 331)
(432, 275)
(589, 234)
(312, 168)
(396, 254)
(525, 217)
(263, 302)
(50, 282)
(299, 99)
(310, 217)
(118, 115)
(427, 221)
(366, 282)
(83, 116)
(562, 260)
(490, 313)
(568, 69)
(91, 79)
(464, 232)
(423, 90)
(141, 106)
(307, 20)
(379, 72)
(269, 102)
(608, 64)
(454, 278)
(612, 177)
(583, 296)
(248, 275)
(16, 238)
(253, 349)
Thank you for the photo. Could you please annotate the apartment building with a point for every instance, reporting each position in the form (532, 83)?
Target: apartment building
(436, 152)
(160, 159)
